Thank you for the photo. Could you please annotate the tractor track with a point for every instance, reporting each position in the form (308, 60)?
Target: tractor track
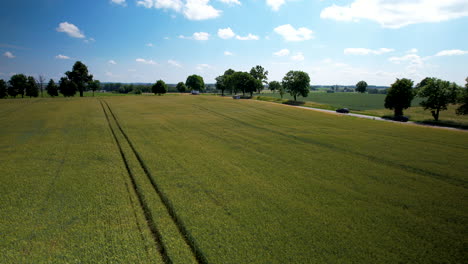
(189, 240)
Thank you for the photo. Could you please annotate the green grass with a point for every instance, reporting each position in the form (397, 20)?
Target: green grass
(249, 181)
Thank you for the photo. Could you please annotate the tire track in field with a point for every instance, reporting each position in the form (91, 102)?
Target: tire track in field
(189, 240)
(408, 168)
(141, 200)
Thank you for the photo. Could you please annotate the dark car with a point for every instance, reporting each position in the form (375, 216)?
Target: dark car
(401, 118)
(343, 110)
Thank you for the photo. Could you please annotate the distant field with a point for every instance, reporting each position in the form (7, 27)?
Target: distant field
(202, 179)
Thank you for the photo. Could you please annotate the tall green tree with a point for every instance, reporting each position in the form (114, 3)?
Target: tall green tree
(227, 80)
(463, 100)
(259, 73)
(67, 88)
(79, 75)
(274, 85)
(361, 87)
(181, 87)
(94, 85)
(195, 83)
(159, 87)
(221, 83)
(52, 88)
(244, 82)
(18, 84)
(399, 96)
(3, 89)
(32, 88)
(437, 95)
(297, 83)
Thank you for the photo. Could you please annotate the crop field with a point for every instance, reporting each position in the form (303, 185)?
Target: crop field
(204, 179)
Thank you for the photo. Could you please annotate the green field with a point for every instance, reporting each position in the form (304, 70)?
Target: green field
(204, 179)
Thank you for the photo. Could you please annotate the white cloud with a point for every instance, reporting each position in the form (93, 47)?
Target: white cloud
(228, 53)
(201, 36)
(298, 57)
(202, 67)
(70, 29)
(231, 2)
(281, 53)
(89, 40)
(455, 52)
(145, 61)
(413, 59)
(174, 63)
(192, 9)
(248, 37)
(200, 10)
(62, 57)
(275, 4)
(412, 51)
(363, 51)
(119, 2)
(225, 33)
(149, 45)
(289, 33)
(397, 13)
(9, 55)
(112, 62)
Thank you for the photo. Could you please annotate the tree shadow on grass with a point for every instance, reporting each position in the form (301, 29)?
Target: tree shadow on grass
(292, 102)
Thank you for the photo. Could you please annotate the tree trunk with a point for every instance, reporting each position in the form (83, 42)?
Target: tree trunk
(251, 94)
(295, 98)
(222, 92)
(398, 111)
(81, 93)
(93, 93)
(435, 114)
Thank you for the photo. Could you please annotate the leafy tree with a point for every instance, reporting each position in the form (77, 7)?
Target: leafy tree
(41, 81)
(32, 89)
(423, 82)
(159, 87)
(259, 73)
(94, 85)
(17, 85)
(67, 88)
(195, 82)
(52, 88)
(281, 91)
(274, 85)
(79, 75)
(227, 80)
(245, 82)
(361, 87)
(221, 83)
(3, 89)
(462, 99)
(296, 83)
(181, 87)
(438, 94)
(399, 96)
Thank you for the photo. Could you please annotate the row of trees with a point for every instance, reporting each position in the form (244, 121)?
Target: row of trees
(437, 95)
(76, 80)
(193, 83)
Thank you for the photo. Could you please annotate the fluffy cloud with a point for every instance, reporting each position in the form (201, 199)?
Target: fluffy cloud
(174, 63)
(150, 45)
(145, 61)
(192, 9)
(162, 4)
(112, 62)
(119, 2)
(62, 57)
(275, 4)
(228, 53)
(362, 51)
(397, 13)
(9, 55)
(248, 37)
(225, 33)
(281, 53)
(455, 52)
(202, 67)
(298, 57)
(71, 30)
(231, 2)
(201, 36)
(413, 59)
(289, 33)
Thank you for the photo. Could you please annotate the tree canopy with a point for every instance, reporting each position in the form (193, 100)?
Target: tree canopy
(399, 96)
(297, 83)
(274, 85)
(94, 85)
(52, 88)
(463, 100)
(159, 87)
(79, 75)
(32, 89)
(259, 73)
(195, 82)
(244, 82)
(17, 83)
(361, 87)
(181, 87)
(3, 89)
(67, 88)
(438, 94)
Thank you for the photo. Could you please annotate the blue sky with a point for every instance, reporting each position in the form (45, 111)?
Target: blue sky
(335, 42)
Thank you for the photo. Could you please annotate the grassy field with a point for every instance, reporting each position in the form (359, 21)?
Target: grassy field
(201, 179)
(373, 104)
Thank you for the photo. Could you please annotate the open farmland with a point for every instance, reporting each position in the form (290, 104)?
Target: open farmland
(200, 179)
